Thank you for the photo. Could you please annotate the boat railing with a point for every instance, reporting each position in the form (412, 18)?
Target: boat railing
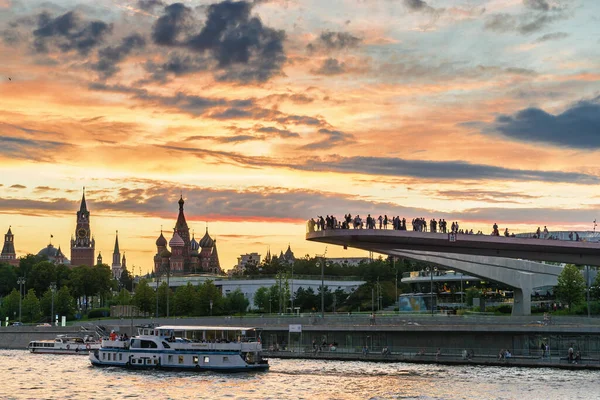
(213, 346)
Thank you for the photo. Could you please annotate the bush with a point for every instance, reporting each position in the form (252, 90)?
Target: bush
(504, 309)
(99, 313)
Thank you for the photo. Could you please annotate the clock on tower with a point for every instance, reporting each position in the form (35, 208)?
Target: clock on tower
(82, 245)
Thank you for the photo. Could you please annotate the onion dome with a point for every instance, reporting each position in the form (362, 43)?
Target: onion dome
(206, 241)
(161, 241)
(165, 253)
(176, 240)
(194, 244)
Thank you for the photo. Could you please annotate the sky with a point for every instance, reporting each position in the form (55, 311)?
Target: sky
(263, 114)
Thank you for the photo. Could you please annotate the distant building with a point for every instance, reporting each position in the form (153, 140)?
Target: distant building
(8, 254)
(82, 244)
(288, 256)
(244, 260)
(186, 255)
(54, 255)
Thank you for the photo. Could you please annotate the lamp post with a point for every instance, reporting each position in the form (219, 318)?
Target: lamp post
(52, 289)
(157, 279)
(21, 282)
(322, 265)
(397, 301)
(587, 281)
(211, 305)
(292, 294)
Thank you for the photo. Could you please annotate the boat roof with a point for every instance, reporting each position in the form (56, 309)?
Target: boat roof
(203, 328)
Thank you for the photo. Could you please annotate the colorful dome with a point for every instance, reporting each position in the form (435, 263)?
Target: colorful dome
(176, 241)
(165, 253)
(194, 244)
(206, 241)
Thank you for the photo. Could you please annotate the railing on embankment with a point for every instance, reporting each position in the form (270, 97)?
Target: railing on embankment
(444, 356)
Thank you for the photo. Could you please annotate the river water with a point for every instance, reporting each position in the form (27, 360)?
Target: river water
(34, 376)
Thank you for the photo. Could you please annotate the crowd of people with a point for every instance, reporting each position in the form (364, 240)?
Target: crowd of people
(417, 224)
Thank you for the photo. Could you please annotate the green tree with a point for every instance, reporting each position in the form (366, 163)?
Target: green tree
(64, 303)
(122, 299)
(31, 307)
(8, 279)
(472, 293)
(207, 292)
(46, 304)
(10, 305)
(186, 300)
(126, 280)
(595, 288)
(144, 297)
(570, 288)
(261, 299)
(236, 302)
(42, 274)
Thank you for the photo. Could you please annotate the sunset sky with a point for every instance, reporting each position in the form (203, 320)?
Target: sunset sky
(266, 113)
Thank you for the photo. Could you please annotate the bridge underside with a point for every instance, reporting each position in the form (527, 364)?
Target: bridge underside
(520, 275)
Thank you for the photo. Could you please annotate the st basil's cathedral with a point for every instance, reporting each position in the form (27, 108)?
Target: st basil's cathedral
(187, 256)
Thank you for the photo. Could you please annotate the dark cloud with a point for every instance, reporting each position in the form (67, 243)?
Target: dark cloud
(329, 41)
(576, 127)
(539, 5)
(240, 46)
(68, 32)
(333, 138)
(524, 24)
(488, 196)
(330, 66)
(283, 133)
(31, 149)
(416, 5)
(45, 189)
(109, 57)
(177, 64)
(552, 36)
(150, 5)
(442, 170)
(176, 21)
(18, 187)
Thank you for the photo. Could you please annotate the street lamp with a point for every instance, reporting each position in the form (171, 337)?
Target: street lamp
(52, 289)
(211, 305)
(157, 279)
(21, 282)
(292, 296)
(322, 265)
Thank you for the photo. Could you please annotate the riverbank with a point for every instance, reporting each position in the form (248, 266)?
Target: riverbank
(442, 359)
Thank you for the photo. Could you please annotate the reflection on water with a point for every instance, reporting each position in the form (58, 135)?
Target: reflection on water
(34, 376)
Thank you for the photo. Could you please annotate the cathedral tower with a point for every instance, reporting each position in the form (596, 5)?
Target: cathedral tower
(183, 231)
(82, 244)
(8, 254)
(116, 263)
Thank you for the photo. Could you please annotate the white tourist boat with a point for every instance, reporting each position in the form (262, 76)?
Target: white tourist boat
(192, 348)
(64, 344)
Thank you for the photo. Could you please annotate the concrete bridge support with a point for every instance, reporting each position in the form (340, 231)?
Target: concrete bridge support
(522, 276)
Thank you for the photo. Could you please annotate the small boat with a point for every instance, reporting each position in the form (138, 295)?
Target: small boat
(191, 348)
(64, 344)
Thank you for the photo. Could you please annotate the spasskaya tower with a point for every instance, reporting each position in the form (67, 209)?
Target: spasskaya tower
(82, 244)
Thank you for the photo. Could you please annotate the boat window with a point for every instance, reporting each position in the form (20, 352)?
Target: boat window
(155, 361)
(170, 359)
(180, 359)
(120, 356)
(206, 359)
(104, 356)
(225, 359)
(166, 345)
(195, 359)
(135, 343)
(148, 344)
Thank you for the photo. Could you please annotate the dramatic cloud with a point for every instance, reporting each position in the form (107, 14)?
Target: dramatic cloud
(243, 49)
(109, 57)
(150, 5)
(524, 23)
(29, 149)
(333, 138)
(68, 32)
(177, 64)
(416, 5)
(18, 187)
(552, 36)
(330, 66)
(540, 5)
(576, 127)
(329, 41)
(283, 133)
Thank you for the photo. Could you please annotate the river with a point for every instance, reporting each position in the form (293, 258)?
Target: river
(33, 376)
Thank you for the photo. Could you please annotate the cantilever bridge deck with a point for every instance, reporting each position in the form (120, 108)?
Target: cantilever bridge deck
(388, 241)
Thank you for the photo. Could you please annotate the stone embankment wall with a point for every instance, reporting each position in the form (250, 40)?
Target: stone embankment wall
(18, 337)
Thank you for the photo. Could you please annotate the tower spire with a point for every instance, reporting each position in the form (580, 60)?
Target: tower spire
(116, 243)
(83, 207)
